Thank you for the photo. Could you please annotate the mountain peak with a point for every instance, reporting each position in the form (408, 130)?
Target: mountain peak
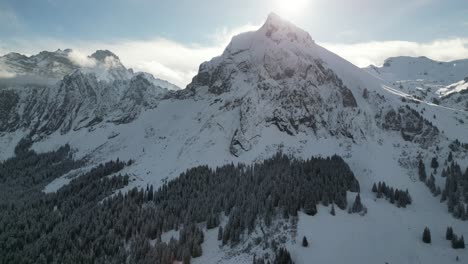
(14, 56)
(279, 29)
(101, 55)
(273, 18)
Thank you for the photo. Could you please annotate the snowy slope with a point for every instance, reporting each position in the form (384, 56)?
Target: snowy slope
(426, 79)
(274, 90)
(412, 68)
(455, 95)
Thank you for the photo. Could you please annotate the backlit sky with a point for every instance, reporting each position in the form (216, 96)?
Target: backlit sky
(171, 38)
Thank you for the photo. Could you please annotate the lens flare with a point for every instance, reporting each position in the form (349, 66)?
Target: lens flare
(291, 9)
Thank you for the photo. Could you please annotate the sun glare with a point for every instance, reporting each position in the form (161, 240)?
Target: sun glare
(291, 9)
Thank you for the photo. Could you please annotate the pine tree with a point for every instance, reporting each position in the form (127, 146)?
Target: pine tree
(332, 211)
(374, 188)
(379, 190)
(450, 157)
(455, 241)
(392, 195)
(422, 171)
(426, 237)
(186, 257)
(197, 250)
(458, 243)
(434, 164)
(449, 233)
(283, 257)
(305, 243)
(357, 205)
(220, 233)
(310, 207)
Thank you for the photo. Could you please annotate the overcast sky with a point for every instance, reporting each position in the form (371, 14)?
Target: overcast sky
(171, 38)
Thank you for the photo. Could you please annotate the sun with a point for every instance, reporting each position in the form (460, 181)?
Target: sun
(291, 9)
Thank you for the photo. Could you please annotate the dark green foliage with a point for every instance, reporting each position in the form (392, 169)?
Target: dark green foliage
(23, 147)
(456, 190)
(422, 171)
(212, 221)
(449, 233)
(220, 233)
(426, 237)
(62, 226)
(258, 260)
(430, 183)
(283, 257)
(395, 196)
(305, 243)
(357, 205)
(89, 221)
(248, 193)
(458, 243)
(450, 157)
(434, 164)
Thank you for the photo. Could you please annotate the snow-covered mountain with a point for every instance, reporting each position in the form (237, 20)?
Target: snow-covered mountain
(412, 68)
(47, 64)
(271, 90)
(73, 97)
(426, 79)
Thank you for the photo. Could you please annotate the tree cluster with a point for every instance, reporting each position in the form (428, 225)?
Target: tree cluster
(457, 242)
(456, 190)
(357, 206)
(456, 146)
(246, 194)
(90, 221)
(395, 196)
(282, 256)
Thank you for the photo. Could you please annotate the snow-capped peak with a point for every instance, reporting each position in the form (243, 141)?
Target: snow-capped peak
(157, 82)
(102, 55)
(278, 29)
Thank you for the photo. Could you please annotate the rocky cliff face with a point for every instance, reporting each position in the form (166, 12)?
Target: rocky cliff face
(278, 76)
(81, 99)
(46, 64)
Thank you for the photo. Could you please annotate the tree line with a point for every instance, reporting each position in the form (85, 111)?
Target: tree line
(90, 221)
(395, 196)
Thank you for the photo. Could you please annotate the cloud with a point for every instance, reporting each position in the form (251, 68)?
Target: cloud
(164, 58)
(224, 35)
(81, 59)
(22, 80)
(178, 63)
(6, 74)
(364, 54)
